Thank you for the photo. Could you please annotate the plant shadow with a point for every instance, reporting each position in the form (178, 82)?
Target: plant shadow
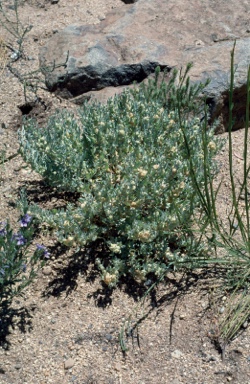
(38, 192)
(177, 287)
(10, 319)
(82, 263)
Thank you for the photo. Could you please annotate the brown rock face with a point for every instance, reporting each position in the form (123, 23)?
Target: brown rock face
(133, 40)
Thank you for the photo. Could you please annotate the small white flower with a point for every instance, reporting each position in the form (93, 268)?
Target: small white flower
(144, 235)
(133, 204)
(77, 217)
(69, 241)
(109, 278)
(142, 172)
(211, 145)
(171, 123)
(139, 275)
(173, 150)
(114, 247)
(182, 185)
(174, 170)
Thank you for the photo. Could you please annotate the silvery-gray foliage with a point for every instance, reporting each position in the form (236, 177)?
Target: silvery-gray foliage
(130, 164)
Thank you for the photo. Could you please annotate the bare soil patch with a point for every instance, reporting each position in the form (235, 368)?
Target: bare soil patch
(66, 327)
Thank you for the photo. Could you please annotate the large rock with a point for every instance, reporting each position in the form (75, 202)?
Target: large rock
(214, 62)
(100, 55)
(133, 40)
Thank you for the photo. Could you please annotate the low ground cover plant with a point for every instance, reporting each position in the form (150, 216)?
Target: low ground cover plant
(18, 266)
(130, 164)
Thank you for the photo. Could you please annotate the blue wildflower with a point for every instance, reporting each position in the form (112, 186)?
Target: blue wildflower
(24, 267)
(25, 220)
(19, 238)
(42, 248)
(3, 231)
(2, 271)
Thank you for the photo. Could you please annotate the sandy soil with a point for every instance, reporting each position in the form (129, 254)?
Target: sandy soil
(66, 327)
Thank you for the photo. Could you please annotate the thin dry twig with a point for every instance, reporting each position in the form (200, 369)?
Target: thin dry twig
(3, 55)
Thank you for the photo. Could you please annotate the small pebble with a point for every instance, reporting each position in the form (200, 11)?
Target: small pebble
(239, 350)
(177, 354)
(108, 337)
(245, 325)
(47, 270)
(212, 358)
(182, 316)
(117, 366)
(69, 363)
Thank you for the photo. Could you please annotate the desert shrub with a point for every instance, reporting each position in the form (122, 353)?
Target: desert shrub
(130, 165)
(18, 267)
